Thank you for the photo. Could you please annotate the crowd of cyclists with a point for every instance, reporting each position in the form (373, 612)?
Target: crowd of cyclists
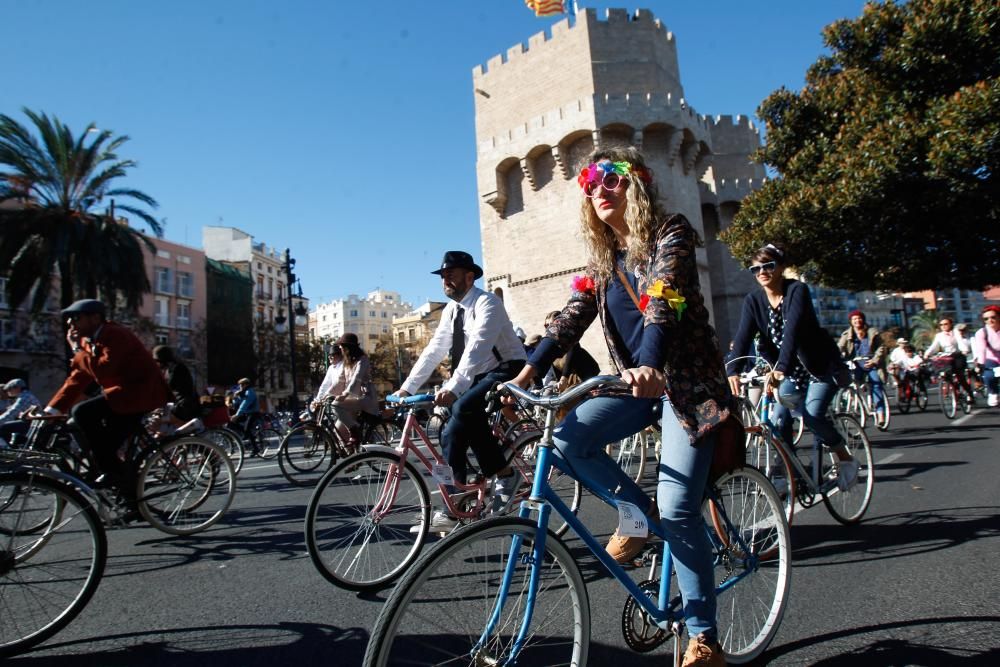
(642, 287)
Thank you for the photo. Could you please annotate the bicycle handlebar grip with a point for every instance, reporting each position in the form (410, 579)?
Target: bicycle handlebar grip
(409, 400)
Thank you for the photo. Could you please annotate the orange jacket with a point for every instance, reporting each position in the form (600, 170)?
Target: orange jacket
(119, 362)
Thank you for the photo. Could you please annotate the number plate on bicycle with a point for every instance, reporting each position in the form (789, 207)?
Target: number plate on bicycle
(631, 521)
(442, 474)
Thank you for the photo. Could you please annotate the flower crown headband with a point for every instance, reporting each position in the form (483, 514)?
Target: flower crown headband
(596, 171)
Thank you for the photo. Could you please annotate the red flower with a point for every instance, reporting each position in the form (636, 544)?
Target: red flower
(583, 284)
(643, 302)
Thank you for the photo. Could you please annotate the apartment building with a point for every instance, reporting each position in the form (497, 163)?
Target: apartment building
(370, 317)
(177, 305)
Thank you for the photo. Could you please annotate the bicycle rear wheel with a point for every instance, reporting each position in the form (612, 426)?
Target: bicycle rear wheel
(949, 398)
(231, 443)
(185, 486)
(360, 528)
(267, 441)
(569, 490)
(764, 454)
(630, 455)
(47, 579)
(754, 589)
(441, 608)
(306, 453)
(849, 506)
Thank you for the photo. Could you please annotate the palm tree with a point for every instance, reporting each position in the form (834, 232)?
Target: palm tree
(57, 212)
(924, 325)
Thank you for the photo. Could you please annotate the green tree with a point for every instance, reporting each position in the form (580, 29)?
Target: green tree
(57, 213)
(888, 159)
(924, 325)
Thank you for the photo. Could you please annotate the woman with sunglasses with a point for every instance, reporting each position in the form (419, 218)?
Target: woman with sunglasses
(987, 346)
(661, 339)
(954, 347)
(806, 364)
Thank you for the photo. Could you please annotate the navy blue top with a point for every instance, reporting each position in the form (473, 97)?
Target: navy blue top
(803, 337)
(644, 342)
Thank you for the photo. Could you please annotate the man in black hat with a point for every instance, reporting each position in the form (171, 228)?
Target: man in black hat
(476, 332)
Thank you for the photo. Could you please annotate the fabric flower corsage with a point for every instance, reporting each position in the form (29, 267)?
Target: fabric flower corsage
(583, 284)
(660, 290)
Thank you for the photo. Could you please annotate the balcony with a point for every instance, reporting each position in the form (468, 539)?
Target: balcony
(183, 322)
(161, 320)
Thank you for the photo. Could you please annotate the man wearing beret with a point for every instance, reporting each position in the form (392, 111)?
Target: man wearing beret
(478, 335)
(110, 355)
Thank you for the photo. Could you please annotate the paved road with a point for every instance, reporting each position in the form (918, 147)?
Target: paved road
(915, 584)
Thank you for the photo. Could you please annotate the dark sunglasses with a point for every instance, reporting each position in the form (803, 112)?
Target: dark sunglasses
(987, 318)
(767, 267)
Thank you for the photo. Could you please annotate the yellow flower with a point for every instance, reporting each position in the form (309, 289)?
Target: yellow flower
(660, 290)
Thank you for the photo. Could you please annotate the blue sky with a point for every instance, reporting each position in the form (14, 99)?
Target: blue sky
(343, 130)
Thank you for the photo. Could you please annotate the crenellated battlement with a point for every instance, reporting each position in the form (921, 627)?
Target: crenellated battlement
(728, 189)
(638, 110)
(586, 18)
(727, 121)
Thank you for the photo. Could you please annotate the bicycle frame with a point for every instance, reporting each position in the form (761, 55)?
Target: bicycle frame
(544, 500)
(772, 438)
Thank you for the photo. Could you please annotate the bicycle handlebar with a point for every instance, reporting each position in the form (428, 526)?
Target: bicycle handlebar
(571, 394)
(410, 400)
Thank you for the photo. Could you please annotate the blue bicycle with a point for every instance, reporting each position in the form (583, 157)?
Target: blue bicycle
(507, 591)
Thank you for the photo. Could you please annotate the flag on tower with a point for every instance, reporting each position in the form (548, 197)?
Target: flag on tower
(546, 7)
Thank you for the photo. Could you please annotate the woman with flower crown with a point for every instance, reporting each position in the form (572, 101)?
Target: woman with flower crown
(642, 282)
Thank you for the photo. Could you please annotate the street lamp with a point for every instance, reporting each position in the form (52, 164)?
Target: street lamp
(297, 317)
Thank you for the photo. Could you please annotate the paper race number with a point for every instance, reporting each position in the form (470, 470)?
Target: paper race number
(631, 521)
(442, 473)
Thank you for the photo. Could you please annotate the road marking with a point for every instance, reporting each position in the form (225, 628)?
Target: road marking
(962, 420)
(889, 459)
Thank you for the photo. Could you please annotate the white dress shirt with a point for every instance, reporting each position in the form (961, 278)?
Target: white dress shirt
(333, 381)
(486, 327)
(948, 342)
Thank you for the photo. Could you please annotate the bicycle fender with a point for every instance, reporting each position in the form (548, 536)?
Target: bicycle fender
(383, 449)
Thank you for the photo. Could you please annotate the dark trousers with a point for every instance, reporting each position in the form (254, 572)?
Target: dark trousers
(104, 433)
(14, 432)
(469, 425)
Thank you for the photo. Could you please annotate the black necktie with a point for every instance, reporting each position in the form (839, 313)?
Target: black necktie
(458, 338)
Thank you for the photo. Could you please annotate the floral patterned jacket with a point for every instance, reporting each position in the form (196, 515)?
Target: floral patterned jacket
(695, 379)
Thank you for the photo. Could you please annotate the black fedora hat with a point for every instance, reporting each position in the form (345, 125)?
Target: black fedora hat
(84, 307)
(457, 259)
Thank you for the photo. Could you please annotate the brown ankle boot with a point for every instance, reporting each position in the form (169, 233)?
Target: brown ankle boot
(624, 549)
(702, 652)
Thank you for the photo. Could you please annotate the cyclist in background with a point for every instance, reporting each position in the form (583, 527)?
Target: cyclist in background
(178, 377)
(955, 348)
(988, 353)
(333, 381)
(806, 364)
(912, 366)
(896, 357)
(861, 340)
(247, 406)
(112, 356)
(358, 393)
(21, 401)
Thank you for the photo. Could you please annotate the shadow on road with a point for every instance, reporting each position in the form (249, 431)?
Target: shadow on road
(937, 645)
(893, 535)
(222, 646)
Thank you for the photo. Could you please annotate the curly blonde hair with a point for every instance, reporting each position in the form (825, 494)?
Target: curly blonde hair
(642, 210)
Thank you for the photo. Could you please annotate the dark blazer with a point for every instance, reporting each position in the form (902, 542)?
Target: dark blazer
(696, 383)
(123, 367)
(804, 338)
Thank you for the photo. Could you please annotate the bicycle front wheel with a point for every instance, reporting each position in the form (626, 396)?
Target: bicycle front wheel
(47, 579)
(752, 590)
(185, 486)
(231, 443)
(367, 520)
(764, 454)
(849, 506)
(306, 453)
(949, 398)
(440, 611)
(268, 442)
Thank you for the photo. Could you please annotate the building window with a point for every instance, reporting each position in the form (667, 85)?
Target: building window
(161, 312)
(270, 269)
(183, 259)
(3, 293)
(385, 328)
(164, 280)
(6, 334)
(270, 287)
(411, 335)
(184, 315)
(371, 313)
(162, 338)
(185, 284)
(163, 253)
(384, 315)
(184, 344)
(260, 287)
(354, 313)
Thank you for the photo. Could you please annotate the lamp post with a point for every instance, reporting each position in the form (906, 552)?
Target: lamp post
(296, 316)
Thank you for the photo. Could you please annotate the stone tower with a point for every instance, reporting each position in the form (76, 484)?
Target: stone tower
(542, 108)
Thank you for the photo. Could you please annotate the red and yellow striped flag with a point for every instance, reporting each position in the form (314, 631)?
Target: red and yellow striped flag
(546, 7)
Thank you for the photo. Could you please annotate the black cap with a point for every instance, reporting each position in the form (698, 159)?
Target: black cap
(83, 307)
(457, 259)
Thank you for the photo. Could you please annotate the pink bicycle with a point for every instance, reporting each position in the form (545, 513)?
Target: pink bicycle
(369, 516)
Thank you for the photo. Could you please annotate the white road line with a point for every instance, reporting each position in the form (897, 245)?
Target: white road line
(889, 459)
(962, 420)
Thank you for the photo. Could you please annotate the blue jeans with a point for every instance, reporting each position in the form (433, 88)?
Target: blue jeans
(813, 403)
(862, 374)
(991, 376)
(683, 471)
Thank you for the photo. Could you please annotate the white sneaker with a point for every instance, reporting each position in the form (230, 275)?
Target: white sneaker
(993, 400)
(505, 487)
(847, 474)
(442, 522)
